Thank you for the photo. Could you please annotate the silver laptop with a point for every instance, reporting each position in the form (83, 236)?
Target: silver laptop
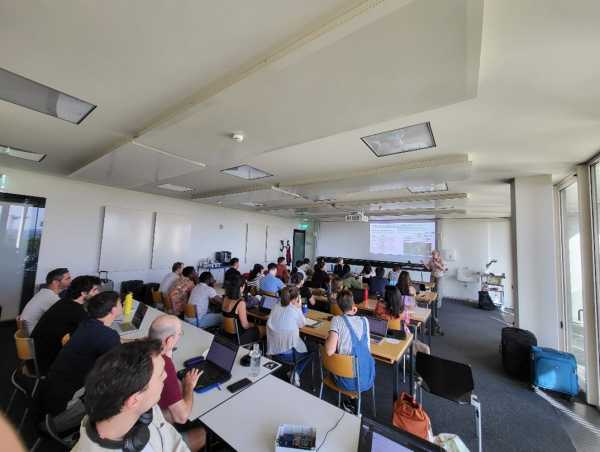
(135, 323)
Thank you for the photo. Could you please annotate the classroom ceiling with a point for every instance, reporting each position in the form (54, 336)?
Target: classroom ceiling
(509, 88)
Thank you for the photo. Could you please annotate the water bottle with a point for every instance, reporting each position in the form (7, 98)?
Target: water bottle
(304, 308)
(128, 304)
(254, 361)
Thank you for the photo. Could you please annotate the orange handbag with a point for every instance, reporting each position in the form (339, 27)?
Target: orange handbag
(411, 417)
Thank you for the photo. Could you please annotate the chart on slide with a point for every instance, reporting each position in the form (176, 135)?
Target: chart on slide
(402, 239)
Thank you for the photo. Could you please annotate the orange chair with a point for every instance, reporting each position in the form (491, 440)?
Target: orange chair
(335, 309)
(344, 366)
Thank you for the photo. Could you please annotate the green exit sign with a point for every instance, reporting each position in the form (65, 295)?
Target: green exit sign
(303, 226)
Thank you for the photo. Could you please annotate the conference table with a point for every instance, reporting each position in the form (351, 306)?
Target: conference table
(389, 350)
(195, 342)
(248, 428)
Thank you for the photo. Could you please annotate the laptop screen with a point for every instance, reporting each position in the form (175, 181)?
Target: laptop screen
(222, 353)
(269, 302)
(377, 326)
(138, 317)
(376, 437)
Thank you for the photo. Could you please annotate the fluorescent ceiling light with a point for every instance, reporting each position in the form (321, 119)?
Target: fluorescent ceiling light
(177, 188)
(428, 188)
(35, 96)
(21, 154)
(252, 204)
(406, 139)
(286, 192)
(246, 172)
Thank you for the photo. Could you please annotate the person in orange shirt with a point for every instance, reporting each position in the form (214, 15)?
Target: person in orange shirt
(282, 270)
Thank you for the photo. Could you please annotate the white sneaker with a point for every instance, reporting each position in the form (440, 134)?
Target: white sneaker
(296, 379)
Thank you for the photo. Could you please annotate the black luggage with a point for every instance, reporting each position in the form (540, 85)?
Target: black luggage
(105, 283)
(485, 301)
(516, 352)
(135, 286)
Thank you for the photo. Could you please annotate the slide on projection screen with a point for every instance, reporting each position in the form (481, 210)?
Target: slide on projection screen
(412, 241)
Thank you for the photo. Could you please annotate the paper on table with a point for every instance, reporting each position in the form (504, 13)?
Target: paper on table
(311, 322)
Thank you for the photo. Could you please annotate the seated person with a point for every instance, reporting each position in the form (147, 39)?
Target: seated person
(299, 268)
(282, 270)
(283, 331)
(392, 307)
(181, 289)
(320, 278)
(270, 283)
(170, 278)
(349, 335)
(406, 288)
(92, 338)
(121, 395)
(253, 283)
(367, 273)
(305, 265)
(234, 306)
(233, 270)
(393, 275)
(297, 279)
(56, 281)
(176, 399)
(337, 285)
(62, 318)
(338, 269)
(377, 283)
(201, 297)
(350, 282)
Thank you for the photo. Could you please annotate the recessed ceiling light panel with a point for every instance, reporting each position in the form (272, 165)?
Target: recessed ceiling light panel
(428, 188)
(21, 154)
(406, 139)
(252, 204)
(177, 188)
(35, 96)
(246, 172)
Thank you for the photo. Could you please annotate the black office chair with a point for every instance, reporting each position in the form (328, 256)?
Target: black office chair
(450, 380)
(290, 365)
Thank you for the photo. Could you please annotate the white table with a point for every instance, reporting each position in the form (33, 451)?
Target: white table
(249, 421)
(194, 342)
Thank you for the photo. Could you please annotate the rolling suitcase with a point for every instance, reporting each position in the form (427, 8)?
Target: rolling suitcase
(516, 352)
(554, 370)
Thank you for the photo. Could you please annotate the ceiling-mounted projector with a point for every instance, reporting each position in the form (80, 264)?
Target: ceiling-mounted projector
(357, 216)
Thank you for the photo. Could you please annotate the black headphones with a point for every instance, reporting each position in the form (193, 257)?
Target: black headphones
(133, 441)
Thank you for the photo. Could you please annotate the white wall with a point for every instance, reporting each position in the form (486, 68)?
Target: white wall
(474, 242)
(72, 227)
(535, 257)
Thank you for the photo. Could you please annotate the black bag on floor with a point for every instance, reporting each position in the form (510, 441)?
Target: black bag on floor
(135, 286)
(485, 301)
(516, 352)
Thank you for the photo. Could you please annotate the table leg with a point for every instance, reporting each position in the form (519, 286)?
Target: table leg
(411, 375)
(395, 384)
(430, 332)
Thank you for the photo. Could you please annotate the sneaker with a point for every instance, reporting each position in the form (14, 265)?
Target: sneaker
(296, 379)
(349, 405)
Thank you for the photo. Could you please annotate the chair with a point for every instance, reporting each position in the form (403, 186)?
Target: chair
(22, 377)
(294, 363)
(344, 366)
(157, 297)
(449, 380)
(335, 309)
(63, 427)
(189, 312)
(395, 328)
(167, 304)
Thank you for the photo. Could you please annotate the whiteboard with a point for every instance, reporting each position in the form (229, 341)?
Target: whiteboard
(256, 243)
(274, 235)
(126, 242)
(172, 236)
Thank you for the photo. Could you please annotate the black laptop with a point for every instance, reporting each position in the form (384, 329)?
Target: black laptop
(378, 329)
(376, 437)
(136, 321)
(218, 363)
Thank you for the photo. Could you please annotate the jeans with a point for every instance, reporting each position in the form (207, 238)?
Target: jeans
(302, 359)
(210, 319)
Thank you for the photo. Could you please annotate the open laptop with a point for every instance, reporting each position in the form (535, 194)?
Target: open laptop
(267, 303)
(378, 329)
(134, 325)
(376, 437)
(218, 363)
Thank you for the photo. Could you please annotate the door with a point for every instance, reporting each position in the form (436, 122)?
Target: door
(572, 278)
(21, 221)
(299, 249)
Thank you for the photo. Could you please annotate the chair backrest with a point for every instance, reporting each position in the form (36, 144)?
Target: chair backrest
(335, 309)
(340, 365)
(189, 310)
(66, 338)
(229, 325)
(156, 297)
(167, 303)
(266, 293)
(395, 324)
(20, 323)
(24, 344)
(448, 379)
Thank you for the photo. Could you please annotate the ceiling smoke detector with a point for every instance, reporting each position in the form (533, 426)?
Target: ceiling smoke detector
(237, 136)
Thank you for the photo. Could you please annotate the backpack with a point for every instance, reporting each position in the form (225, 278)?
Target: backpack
(410, 416)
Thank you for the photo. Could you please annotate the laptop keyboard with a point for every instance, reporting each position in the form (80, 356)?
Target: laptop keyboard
(127, 327)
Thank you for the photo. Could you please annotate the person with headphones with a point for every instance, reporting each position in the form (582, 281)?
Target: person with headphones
(122, 394)
(177, 399)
